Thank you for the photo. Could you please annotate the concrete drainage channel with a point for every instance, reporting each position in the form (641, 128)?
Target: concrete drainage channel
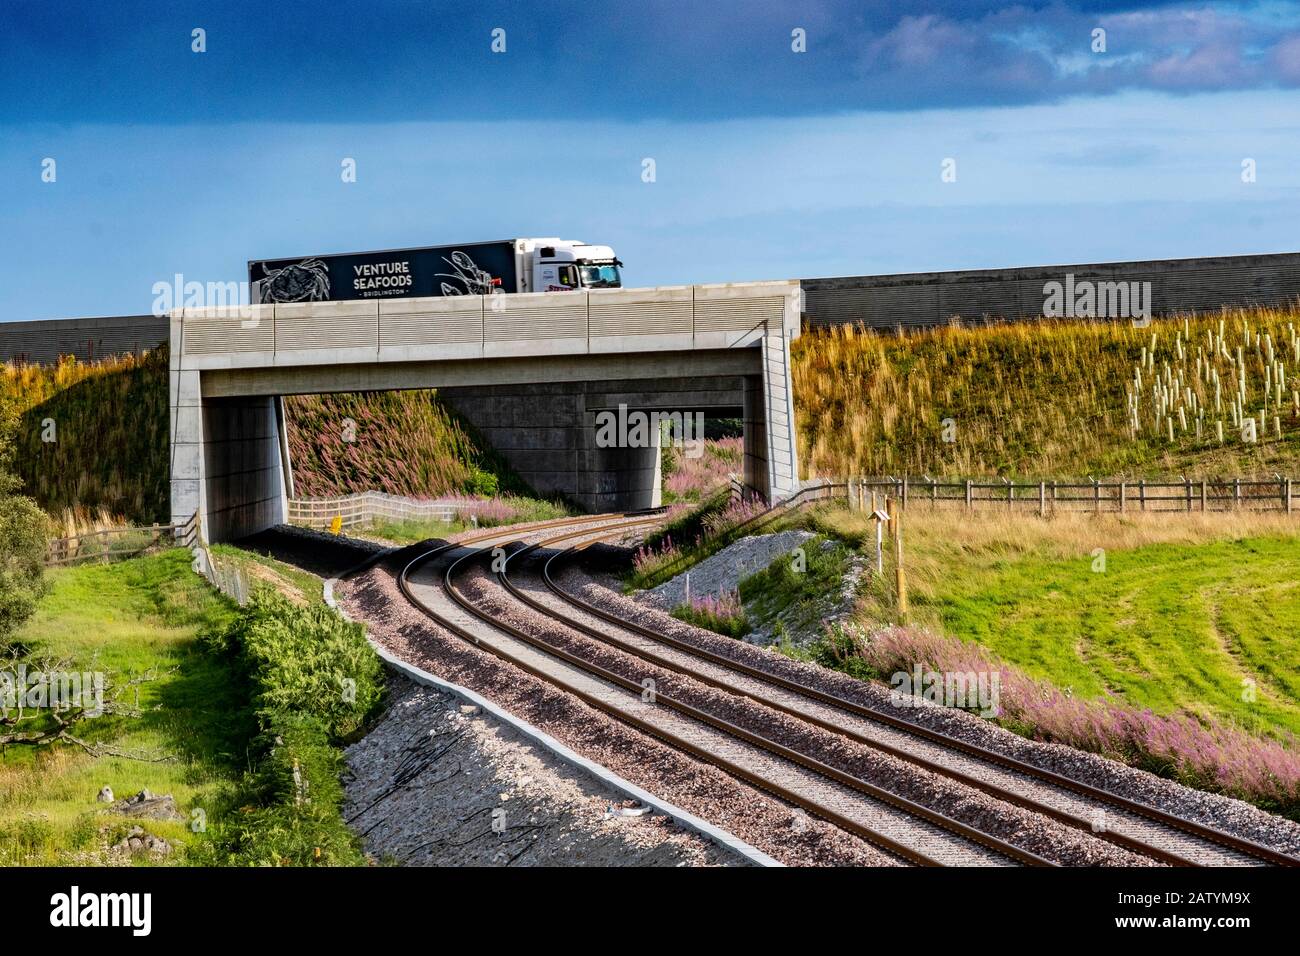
(682, 818)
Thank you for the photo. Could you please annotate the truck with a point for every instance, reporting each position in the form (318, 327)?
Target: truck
(473, 268)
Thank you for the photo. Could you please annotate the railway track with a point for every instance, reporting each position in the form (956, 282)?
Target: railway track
(912, 832)
(1145, 829)
(909, 830)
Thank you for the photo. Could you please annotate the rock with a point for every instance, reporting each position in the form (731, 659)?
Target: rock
(148, 805)
(469, 710)
(105, 795)
(723, 571)
(137, 840)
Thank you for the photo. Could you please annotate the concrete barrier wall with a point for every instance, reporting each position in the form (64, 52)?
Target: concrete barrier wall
(41, 343)
(920, 299)
(477, 326)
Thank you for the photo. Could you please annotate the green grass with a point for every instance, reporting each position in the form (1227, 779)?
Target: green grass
(1187, 609)
(1165, 626)
(790, 592)
(299, 585)
(510, 510)
(131, 617)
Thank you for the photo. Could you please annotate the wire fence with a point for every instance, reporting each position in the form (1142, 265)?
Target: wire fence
(229, 579)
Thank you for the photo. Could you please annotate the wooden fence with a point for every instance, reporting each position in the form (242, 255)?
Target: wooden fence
(363, 508)
(1232, 494)
(110, 544)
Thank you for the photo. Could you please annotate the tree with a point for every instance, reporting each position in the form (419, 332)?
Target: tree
(24, 530)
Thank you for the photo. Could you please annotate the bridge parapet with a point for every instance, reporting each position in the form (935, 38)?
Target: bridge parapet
(665, 318)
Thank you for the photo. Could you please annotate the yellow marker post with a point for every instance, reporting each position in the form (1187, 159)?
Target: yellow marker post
(336, 524)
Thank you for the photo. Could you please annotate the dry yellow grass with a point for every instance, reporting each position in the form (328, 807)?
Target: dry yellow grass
(1053, 398)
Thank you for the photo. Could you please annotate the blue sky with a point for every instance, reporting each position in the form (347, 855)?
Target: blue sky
(769, 163)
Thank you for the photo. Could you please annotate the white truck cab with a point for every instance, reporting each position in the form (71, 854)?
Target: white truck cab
(565, 265)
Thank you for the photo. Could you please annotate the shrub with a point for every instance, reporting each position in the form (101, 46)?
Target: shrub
(1202, 753)
(722, 614)
(314, 682)
(308, 660)
(23, 541)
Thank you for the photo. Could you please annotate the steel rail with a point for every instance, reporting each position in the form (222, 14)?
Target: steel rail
(1210, 834)
(936, 818)
(992, 789)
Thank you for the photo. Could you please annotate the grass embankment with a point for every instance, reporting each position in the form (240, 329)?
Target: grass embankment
(1167, 641)
(314, 682)
(243, 725)
(401, 443)
(791, 593)
(93, 435)
(1167, 612)
(1053, 398)
(688, 537)
(299, 586)
(132, 618)
(93, 440)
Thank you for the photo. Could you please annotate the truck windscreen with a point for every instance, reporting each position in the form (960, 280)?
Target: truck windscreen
(601, 277)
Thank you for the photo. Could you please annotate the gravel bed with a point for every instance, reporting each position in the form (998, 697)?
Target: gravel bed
(1223, 813)
(722, 572)
(437, 783)
(1017, 826)
(766, 823)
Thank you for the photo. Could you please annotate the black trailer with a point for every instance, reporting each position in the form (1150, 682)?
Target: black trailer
(475, 268)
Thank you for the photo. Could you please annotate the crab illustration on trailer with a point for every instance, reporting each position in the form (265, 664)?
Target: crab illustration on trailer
(306, 281)
(476, 281)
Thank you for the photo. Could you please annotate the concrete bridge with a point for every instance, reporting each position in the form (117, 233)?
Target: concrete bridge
(531, 372)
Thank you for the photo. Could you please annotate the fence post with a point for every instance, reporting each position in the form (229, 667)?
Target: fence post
(1142, 494)
(1011, 490)
(968, 495)
(1042, 499)
(1236, 493)
(1096, 496)
(1288, 495)
(1281, 483)
(1187, 489)
(934, 493)
(1053, 496)
(1205, 494)
(103, 545)
(903, 501)
(1123, 495)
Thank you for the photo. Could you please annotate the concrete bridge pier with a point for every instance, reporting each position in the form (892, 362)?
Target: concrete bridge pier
(550, 433)
(227, 461)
